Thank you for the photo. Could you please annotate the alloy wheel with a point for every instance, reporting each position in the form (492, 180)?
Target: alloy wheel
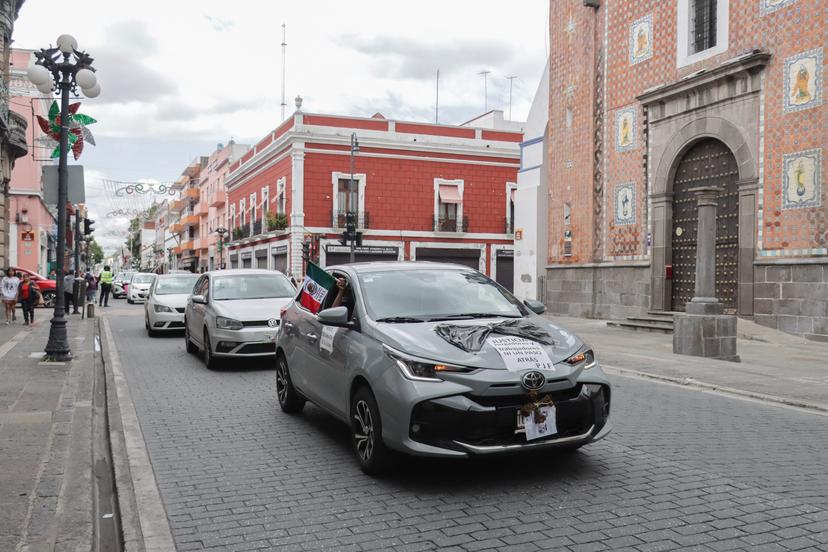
(364, 434)
(281, 381)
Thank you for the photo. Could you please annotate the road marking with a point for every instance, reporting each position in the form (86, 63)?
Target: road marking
(151, 513)
(9, 345)
(733, 393)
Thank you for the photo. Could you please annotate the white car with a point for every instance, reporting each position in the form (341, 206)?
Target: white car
(235, 313)
(139, 287)
(164, 309)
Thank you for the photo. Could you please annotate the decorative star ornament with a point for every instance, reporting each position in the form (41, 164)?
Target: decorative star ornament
(78, 133)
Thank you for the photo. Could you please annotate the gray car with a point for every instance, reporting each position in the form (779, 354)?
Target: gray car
(438, 360)
(235, 313)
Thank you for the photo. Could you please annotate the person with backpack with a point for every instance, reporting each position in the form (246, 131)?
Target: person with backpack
(29, 294)
(91, 285)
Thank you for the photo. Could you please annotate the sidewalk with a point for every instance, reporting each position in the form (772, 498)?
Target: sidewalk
(46, 502)
(775, 366)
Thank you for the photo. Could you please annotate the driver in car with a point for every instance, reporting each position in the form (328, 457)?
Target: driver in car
(344, 297)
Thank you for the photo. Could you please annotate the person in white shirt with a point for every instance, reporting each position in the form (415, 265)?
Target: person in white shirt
(9, 288)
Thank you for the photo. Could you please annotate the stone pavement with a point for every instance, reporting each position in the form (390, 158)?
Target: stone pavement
(775, 366)
(45, 439)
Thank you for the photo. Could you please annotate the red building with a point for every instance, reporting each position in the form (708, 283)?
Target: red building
(422, 192)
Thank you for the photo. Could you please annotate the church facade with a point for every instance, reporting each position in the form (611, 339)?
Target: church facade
(649, 99)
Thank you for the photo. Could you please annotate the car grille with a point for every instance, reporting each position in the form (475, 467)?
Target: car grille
(257, 349)
(441, 426)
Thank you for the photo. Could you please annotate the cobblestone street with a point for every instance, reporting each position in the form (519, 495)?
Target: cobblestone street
(683, 470)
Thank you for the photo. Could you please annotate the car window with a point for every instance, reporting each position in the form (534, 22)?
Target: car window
(175, 285)
(251, 286)
(200, 287)
(347, 299)
(431, 293)
(144, 278)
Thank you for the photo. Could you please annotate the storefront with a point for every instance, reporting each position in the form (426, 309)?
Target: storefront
(340, 254)
(279, 257)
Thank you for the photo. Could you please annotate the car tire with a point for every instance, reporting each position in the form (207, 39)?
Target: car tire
(290, 401)
(49, 299)
(210, 359)
(366, 433)
(150, 331)
(191, 347)
(129, 301)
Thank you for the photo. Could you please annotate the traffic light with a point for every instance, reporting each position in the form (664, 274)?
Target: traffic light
(359, 239)
(306, 251)
(350, 224)
(88, 226)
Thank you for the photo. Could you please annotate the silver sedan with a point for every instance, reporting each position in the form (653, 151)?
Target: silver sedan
(438, 360)
(235, 313)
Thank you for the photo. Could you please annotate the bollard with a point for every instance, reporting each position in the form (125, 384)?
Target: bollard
(90, 310)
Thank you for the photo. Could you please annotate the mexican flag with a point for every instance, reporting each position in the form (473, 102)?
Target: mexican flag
(315, 287)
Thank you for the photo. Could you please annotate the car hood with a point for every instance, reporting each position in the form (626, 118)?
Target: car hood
(141, 287)
(177, 300)
(251, 309)
(420, 339)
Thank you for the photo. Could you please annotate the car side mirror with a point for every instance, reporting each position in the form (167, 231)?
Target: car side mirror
(335, 316)
(535, 306)
(200, 299)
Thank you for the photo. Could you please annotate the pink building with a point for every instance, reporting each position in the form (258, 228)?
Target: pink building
(31, 226)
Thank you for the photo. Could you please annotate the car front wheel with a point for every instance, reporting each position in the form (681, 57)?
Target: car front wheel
(290, 400)
(191, 347)
(150, 331)
(210, 359)
(366, 433)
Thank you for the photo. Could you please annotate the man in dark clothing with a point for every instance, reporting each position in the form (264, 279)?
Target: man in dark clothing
(68, 291)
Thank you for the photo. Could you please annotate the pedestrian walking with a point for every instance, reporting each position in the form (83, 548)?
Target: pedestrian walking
(105, 278)
(29, 294)
(68, 287)
(91, 286)
(9, 288)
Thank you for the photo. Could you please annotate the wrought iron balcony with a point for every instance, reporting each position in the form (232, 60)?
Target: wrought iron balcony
(446, 224)
(338, 219)
(257, 227)
(241, 232)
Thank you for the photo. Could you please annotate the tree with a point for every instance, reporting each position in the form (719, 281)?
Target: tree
(96, 254)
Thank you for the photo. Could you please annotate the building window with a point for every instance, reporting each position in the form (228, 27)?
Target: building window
(348, 199)
(232, 217)
(242, 213)
(511, 193)
(448, 216)
(252, 208)
(702, 30)
(265, 201)
(280, 195)
(702, 25)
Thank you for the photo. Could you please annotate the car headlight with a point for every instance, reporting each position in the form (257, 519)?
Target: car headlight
(228, 323)
(423, 370)
(162, 308)
(584, 356)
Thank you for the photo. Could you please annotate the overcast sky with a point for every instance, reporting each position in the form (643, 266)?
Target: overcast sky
(179, 76)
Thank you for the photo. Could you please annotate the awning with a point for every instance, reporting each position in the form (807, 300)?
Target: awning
(512, 194)
(449, 194)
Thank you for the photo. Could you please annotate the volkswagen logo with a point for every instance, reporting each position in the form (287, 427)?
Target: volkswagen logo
(533, 380)
(273, 322)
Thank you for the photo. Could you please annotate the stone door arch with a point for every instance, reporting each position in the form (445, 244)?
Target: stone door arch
(707, 162)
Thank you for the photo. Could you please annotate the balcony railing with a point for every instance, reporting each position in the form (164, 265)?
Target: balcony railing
(338, 219)
(444, 224)
(241, 232)
(257, 227)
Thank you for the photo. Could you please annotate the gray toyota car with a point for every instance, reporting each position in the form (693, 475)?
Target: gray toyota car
(438, 360)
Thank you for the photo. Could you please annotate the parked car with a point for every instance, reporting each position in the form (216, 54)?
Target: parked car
(139, 286)
(416, 360)
(235, 313)
(167, 298)
(47, 286)
(120, 283)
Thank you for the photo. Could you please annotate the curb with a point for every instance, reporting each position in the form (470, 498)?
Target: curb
(144, 518)
(813, 408)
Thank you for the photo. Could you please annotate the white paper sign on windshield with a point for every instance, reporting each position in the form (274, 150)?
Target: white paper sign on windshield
(326, 341)
(521, 354)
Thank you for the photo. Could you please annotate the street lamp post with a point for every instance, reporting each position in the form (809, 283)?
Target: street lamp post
(352, 214)
(62, 68)
(221, 231)
(76, 285)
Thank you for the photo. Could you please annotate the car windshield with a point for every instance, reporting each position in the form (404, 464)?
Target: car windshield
(143, 278)
(124, 276)
(251, 286)
(175, 285)
(430, 294)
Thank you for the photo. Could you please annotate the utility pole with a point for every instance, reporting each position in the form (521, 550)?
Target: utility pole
(485, 75)
(284, 47)
(437, 102)
(351, 215)
(510, 78)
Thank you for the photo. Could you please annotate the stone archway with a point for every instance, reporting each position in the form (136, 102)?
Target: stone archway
(668, 156)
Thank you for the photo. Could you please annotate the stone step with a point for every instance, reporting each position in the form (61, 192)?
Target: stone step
(667, 315)
(660, 320)
(640, 326)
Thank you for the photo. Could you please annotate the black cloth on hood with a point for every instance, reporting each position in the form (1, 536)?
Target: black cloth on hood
(472, 338)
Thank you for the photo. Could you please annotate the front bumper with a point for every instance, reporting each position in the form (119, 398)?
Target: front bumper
(256, 341)
(167, 321)
(481, 425)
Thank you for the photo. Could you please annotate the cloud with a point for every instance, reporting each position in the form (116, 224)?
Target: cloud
(398, 57)
(219, 25)
(177, 110)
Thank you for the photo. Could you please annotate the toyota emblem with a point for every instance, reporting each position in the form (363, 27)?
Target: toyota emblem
(533, 380)
(273, 322)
